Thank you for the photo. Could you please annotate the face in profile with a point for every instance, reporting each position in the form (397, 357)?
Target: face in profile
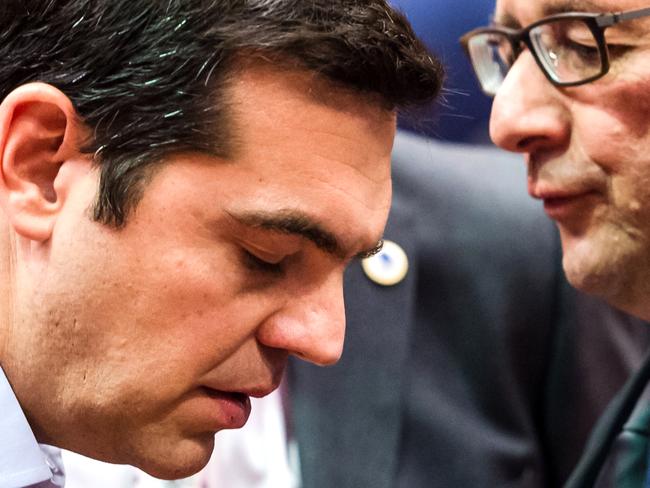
(587, 149)
(153, 336)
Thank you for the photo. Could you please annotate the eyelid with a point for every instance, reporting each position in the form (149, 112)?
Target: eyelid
(622, 40)
(582, 40)
(262, 255)
(257, 263)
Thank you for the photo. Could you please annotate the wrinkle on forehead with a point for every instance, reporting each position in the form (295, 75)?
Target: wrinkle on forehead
(564, 6)
(507, 15)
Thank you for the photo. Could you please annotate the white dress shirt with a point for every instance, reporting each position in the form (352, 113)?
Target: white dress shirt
(22, 462)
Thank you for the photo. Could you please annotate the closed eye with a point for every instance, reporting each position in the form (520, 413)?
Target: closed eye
(257, 264)
(619, 50)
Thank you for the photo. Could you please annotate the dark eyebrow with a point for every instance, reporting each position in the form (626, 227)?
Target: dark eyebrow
(297, 223)
(505, 20)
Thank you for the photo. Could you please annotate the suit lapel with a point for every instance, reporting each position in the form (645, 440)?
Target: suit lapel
(609, 426)
(347, 417)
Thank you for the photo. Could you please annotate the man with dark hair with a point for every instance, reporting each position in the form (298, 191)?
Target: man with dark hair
(182, 185)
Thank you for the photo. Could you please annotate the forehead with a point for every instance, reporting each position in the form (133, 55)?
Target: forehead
(523, 12)
(306, 146)
(290, 120)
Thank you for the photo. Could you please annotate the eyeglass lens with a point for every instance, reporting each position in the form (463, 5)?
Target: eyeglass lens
(492, 56)
(566, 48)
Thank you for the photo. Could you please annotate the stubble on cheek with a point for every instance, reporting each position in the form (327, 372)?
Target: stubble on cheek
(608, 259)
(94, 379)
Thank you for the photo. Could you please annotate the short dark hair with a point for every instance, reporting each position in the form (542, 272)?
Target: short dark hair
(147, 76)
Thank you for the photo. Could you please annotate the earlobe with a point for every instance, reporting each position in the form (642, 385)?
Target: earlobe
(38, 134)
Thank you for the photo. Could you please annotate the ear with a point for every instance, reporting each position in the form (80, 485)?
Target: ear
(39, 133)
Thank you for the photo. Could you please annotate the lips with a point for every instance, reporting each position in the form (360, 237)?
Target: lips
(567, 205)
(230, 409)
(221, 404)
(235, 396)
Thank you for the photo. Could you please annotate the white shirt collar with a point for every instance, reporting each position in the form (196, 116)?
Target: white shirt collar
(22, 463)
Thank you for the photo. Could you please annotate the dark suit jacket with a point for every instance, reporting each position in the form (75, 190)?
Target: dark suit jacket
(483, 368)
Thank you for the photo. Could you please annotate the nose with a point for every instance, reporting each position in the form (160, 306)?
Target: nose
(528, 113)
(311, 325)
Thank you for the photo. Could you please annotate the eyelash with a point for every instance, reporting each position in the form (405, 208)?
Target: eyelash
(617, 50)
(254, 263)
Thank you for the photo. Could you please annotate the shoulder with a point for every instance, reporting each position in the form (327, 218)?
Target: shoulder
(453, 173)
(468, 196)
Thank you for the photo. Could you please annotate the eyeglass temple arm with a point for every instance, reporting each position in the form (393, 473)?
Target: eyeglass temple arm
(611, 19)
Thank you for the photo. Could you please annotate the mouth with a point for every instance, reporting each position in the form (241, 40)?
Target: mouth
(231, 408)
(568, 206)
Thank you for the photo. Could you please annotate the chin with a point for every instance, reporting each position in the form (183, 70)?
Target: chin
(592, 284)
(600, 261)
(601, 274)
(173, 472)
(180, 461)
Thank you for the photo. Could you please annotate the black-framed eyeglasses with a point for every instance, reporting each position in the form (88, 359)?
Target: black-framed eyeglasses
(569, 48)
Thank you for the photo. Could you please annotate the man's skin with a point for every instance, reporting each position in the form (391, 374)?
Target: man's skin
(587, 153)
(136, 345)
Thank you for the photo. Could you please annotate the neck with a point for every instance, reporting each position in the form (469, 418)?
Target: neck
(7, 277)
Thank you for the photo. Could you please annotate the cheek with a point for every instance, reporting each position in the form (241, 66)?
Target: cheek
(191, 299)
(630, 190)
(630, 106)
(612, 125)
(182, 309)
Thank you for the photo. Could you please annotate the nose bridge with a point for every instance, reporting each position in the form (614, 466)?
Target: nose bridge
(527, 110)
(519, 43)
(322, 315)
(312, 323)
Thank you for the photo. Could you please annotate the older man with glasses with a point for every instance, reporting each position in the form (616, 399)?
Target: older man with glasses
(570, 48)
(571, 87)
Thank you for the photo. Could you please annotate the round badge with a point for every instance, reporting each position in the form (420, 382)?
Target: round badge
(388, 267)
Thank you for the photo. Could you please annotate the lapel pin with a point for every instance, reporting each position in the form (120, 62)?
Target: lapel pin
(388, 267)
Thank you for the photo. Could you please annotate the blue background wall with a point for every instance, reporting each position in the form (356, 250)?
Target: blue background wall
(462, 114)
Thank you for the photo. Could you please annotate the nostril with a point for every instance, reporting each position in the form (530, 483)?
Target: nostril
(526, 143)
